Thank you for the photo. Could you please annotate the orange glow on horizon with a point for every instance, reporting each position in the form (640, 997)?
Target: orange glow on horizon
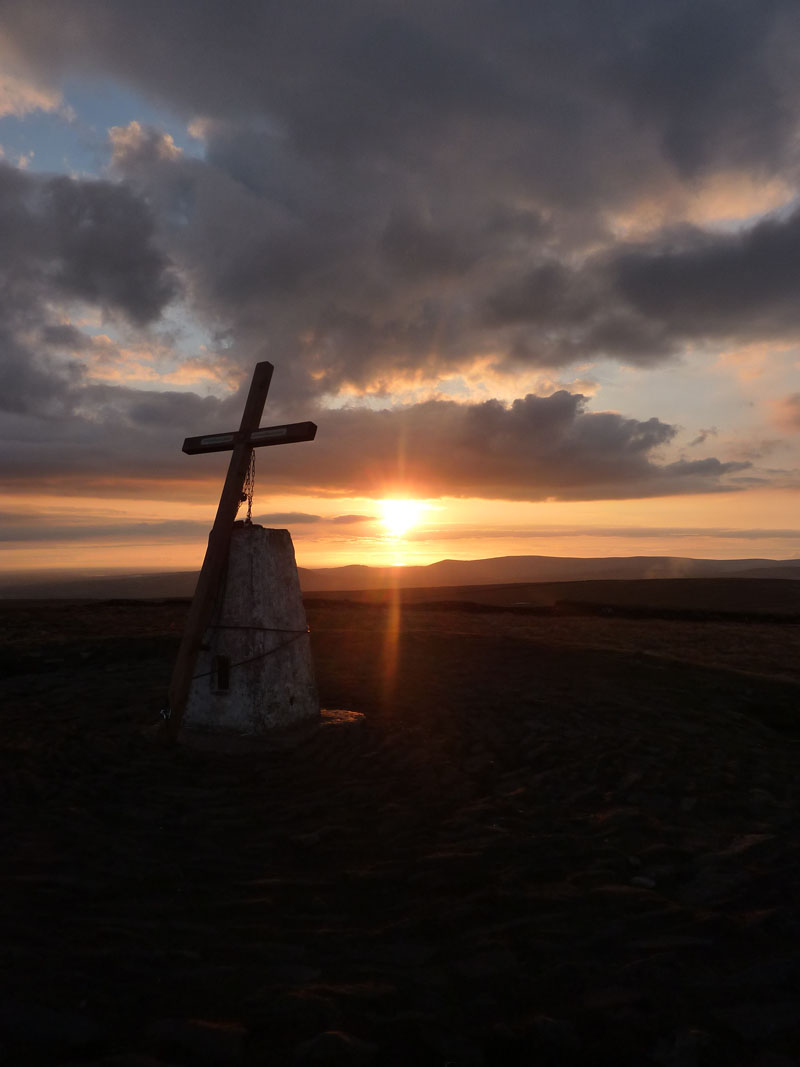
(136, 534)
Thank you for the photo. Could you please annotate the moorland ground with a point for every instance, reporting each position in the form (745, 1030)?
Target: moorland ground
(559, 840)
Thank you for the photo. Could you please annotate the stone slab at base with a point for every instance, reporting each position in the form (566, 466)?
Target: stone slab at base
(277, 740)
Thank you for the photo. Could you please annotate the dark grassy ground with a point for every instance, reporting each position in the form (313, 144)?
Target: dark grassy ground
(687, 597)
(552, 841)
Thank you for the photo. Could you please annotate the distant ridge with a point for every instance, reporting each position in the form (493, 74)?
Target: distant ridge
(507, 569)
(500, 570)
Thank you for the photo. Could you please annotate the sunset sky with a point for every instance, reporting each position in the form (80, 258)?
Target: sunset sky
(535, 266)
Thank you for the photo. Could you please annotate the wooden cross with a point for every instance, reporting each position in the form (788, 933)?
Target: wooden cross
(241, 444)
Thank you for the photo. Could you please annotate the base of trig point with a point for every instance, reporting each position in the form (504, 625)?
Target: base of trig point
(253, 674)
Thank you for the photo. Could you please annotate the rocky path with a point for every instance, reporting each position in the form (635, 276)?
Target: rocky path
(529, 852)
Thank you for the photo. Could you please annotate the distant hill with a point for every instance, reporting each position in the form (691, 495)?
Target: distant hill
(501, 570)
(510, 569)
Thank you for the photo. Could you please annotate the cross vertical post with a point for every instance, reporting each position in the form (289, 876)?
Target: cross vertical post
(219, 541)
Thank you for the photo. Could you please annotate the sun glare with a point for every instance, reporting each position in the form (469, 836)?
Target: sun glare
(399, 516)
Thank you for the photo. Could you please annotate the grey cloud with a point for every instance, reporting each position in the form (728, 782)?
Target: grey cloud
(63, 240)
(27, 382)
(703, 436)
(396, 77)
(383, 291)
(536, 449)
(707, 78)
(142, 410)
(18, 528)
(710, 468)
(717, 285)
(419, 248)
(110, 439)
(65, 336)
(375, 293)
(75, 238)
(349, 520)
(546, 294)
(104, 248)
(400, 191)
(409, 188)
(554, 314)
(641, 303)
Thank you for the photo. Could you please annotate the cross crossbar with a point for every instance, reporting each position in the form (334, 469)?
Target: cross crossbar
(241, 444)
(268, 435)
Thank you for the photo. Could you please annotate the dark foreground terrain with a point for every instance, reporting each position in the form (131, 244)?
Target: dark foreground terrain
(552, 841)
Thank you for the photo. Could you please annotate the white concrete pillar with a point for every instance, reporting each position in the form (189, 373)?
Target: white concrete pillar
(254, 671)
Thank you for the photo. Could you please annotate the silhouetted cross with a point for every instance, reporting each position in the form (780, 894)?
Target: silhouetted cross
(241, 443)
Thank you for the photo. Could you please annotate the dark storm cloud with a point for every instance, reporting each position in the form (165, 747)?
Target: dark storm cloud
(398, 190)
(395, 76)
(65, 240)
(403, 188)
(640, 303)
(65, 337)
(707, 77)
(103, 250)
(553, 314)
(88, 240)
(698, 285)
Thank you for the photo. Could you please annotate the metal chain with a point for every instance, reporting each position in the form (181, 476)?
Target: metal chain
(249, 487)
(166, 711)
(295, 636)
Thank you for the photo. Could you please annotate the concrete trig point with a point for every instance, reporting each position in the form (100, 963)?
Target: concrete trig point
(244, 663)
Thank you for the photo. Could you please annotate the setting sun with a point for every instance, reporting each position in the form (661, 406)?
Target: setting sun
(400, 515)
